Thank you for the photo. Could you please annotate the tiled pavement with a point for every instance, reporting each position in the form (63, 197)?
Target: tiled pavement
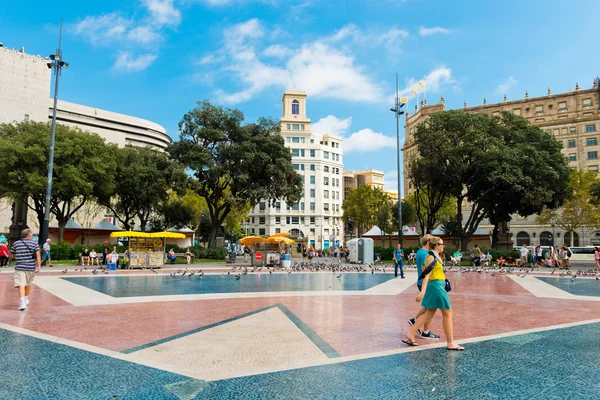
(339, 346)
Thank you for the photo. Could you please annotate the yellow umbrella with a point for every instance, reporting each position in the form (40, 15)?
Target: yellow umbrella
(282, 234)
(251, 239)
(129, 234)
(281, 239)
(168, 235)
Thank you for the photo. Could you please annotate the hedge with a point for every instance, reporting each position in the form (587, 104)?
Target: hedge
(387, 253)
(67, 251)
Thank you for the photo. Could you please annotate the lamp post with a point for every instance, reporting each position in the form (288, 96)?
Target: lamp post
(57, 63)
(396, 110)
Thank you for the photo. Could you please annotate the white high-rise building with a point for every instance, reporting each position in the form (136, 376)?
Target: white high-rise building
(317, 218)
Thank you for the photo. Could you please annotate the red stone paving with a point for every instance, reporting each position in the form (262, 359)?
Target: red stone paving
(482, 305)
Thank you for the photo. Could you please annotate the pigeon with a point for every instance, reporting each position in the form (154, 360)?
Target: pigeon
(339, 276)
(64, 272)
(237, 277)
(179, 271)
(493, 274)
(172, 274)
(95, 271)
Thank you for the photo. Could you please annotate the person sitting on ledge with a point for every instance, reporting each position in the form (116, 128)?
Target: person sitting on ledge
(172, 256)
(500, 261)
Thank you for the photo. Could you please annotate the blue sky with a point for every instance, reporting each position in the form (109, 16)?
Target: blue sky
(155, 58)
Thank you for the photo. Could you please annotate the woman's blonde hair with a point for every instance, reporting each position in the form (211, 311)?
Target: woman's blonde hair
(435, 240)
(425, 239)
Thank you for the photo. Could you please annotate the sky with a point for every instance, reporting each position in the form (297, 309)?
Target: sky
(155, 59)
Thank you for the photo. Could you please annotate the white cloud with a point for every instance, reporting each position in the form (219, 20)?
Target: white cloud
(238, 33)
(163, 12)
(102, 29)
(506, 85)
(332, 125)
(277, 51)
(391, 39)
(432, 31)
(144, 35)
(434, 82)
(211, 59)
(126, 62)
(367, 140)
(348, 31)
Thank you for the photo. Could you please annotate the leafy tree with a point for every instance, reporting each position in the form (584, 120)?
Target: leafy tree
(429, 212)
(198, 206)
(578, 211)
(363, 205)
(387, 217)
(84, 167)
(493, 165)
(234, 164)
(142, 181)
(173, 213)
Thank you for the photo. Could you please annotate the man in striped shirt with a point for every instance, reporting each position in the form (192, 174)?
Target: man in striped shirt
(26, 252)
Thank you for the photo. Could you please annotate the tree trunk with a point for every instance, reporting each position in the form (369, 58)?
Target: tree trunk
(61, 230)
(495, 233)
(459, 225)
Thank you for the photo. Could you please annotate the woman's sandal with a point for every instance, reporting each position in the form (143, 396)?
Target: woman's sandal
(459, 348)
(410, 342)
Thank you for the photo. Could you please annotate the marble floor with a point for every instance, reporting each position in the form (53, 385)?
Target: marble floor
(296, 336)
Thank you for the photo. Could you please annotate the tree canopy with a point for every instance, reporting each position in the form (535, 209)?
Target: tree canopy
(84, 167)
(496, 166)
(234, 165)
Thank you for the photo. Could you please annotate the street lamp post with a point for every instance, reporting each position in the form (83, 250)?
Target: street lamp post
(396, 110)
(57, 63)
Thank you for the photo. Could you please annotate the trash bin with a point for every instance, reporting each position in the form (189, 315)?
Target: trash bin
(112, 266)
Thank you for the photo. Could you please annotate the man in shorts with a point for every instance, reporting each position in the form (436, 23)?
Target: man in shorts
(523, 259)
(46, 253)
(26, 252)
(420, 261)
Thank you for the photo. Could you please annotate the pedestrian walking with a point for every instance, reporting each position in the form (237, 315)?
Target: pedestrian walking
(46, 258)
(3, 254)
(433, 296)
(399, 260)
(26, 253)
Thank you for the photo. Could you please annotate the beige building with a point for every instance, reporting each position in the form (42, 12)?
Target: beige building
(354, 179)
(573, 118)
(25, 95)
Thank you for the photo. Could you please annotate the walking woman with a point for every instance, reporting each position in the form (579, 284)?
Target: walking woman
(597, 257)
(434, 296)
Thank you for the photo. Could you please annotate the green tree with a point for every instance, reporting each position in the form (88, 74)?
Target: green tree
(234, 164)
(387, 217)
(489, 164)
(578, 211)
(142, 180)
(363, 205)
(84, 168)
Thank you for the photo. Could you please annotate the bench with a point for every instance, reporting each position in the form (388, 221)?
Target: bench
(178, 255)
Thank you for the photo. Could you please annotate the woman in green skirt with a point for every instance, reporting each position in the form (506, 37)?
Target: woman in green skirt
(433, 296)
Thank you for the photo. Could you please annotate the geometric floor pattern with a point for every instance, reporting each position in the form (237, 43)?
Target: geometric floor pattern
(524, 338)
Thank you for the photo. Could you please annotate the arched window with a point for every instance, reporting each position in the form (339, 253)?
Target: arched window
(523, 238)
(567, 239)
(295, 107)
(546, 239)
(296, 233)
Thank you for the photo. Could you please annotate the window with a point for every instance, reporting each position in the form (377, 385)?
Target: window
(312, 167)
(301, 127)
(289, 127)
(337, 207)
(302, 152)
(296, 206)
(563, 131)
(312, 221)
(278, 220)
(572, 157)
(571, 143)
(296, 167)
(252, 219)
(312, 153)
(562, 106)
(262, 206)
(539, 109)
(312, 193)
(287, 220)
(326, 194)
(295, 140)
(302, 220)
(295, 107)
(325, 206)
(252, 230)
(326, 155)
(278, 206)
(277, 230)
(496, 114)
(302, 206)
(295, 127)
(26, 117)
(312, 179)
(573, 130)
(326, 181)
(261, 231)
(302, 140)
(312, 207)
(592, 155)
(333, 145)
(326, 169)
(289, 139)
(295, 220)
(337, 145)
(592, 142)
(593, 168)
(590, 128)
(312, 141)
(516, 111)
(587, 102)
(295, 153)
(261, 220)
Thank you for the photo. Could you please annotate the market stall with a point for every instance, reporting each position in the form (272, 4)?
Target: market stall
(271, 251)
(156, 258)
(143, 249)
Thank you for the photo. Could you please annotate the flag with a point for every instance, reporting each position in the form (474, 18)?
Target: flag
(414, 92)
(421, 85)
(404, 99)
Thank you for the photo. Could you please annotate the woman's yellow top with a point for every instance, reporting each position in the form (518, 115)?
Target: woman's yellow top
(438, 272)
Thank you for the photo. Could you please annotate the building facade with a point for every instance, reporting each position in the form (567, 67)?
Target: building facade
(25, 96)
(573, 118)
(317, 218)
